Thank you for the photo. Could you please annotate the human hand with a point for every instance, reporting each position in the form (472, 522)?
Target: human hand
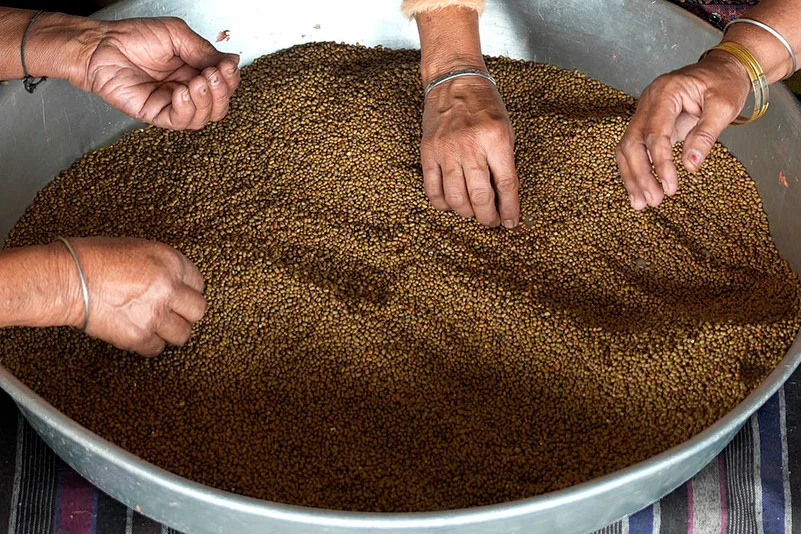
(467, 152)
(159, 71)
(694, 105)
(143, 295)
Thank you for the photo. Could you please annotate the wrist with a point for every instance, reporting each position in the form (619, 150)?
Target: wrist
(65, 306)
(730, 69)
(60, 46)
(446, 63)
(36, 289)
(449, 40)
(768, 51)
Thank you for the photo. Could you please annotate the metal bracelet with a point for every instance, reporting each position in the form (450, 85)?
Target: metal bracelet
(756, 74)
(457, 74)
(29, 82)
(774, 33)
(84, 287)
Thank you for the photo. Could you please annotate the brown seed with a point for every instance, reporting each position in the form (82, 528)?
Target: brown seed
(364, 351)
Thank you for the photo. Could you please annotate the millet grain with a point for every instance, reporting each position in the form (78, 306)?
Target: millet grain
(363, 351)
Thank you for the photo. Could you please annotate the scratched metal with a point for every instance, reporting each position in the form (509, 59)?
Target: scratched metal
(625, 43)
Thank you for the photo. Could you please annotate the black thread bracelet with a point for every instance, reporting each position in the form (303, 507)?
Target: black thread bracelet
(29, 82)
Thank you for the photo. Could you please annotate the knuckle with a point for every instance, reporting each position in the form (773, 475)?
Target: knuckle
(662, 83)
(506, 185)
(163, 287)
(705, 137)
(454, 198)
(482, 197)
(652, 138)
(656, 196)
(133, 338)
(498, 133)
(434, 195)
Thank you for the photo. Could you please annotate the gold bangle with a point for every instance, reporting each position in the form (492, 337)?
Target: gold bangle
(759, 83)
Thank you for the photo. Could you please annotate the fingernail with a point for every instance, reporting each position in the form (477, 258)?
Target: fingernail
(214, 81)
(204, 91)
(647, 196)
(631, 199)
(185, 95)
(509, 223)
(695, 158)
(231, 71)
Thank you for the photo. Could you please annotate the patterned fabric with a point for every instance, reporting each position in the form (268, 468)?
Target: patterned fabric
(753, 486)
(717, 13)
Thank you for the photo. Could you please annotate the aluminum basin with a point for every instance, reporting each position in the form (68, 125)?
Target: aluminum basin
(625, 43)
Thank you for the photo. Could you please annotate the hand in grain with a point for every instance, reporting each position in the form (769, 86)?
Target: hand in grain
(143, 295)
(694, 105)
(161, 72)
(468, 152)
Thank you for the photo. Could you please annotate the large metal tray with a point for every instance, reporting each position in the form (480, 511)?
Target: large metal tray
(625, 43)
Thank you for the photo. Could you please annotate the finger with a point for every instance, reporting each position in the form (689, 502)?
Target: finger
(201, 96)
(455, 190)
(504, 176)
(640, 180)
(192, 275)
(432, 179)
(716, 116)
(189, 304)
(151, 347)
(191, 47)
(175, 330)
(636, 197)
(220, 93)
(230, 71)
(482, 196)
(640, 165)
(177, 115)
(183, 75)
(660, 130)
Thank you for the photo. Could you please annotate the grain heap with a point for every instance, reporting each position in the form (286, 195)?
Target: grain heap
(363, 351)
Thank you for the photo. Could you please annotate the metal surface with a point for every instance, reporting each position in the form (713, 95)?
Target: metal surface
(625, 43)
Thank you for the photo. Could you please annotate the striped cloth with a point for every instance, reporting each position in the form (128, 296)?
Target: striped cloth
(753, 487)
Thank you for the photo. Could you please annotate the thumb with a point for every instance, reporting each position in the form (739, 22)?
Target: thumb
(193, 49)
(716, 115)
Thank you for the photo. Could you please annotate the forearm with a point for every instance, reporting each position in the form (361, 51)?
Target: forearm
(449, 40)
(36, 288)
(58, 46)
(784, 16)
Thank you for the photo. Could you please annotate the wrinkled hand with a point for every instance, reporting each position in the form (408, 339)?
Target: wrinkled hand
(161, 72)
(467, 152)
(143, 295)
(694, 105)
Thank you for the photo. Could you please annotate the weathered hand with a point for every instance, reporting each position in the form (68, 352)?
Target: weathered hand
(159, 71)
(468, 152)
(694, 105)
(143, 295)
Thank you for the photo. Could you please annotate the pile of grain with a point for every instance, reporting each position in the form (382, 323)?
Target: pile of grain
(363, 351)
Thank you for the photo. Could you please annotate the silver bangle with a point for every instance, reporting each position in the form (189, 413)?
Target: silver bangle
(771, 31)
(84, 287)
(458, 74)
